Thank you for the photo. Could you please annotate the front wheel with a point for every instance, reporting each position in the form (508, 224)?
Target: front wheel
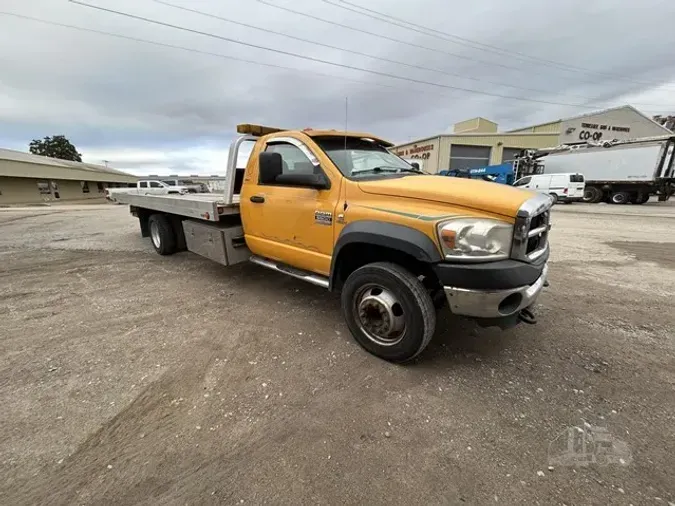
(388, 311)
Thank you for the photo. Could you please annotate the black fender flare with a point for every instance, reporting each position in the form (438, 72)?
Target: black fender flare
(390, 235)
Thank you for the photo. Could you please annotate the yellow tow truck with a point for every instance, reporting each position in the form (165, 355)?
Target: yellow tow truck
(339, 210)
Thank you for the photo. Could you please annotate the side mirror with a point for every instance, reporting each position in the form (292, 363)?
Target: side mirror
(270, 167)
(415, 165)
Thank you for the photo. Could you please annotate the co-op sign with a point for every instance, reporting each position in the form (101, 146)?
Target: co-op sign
(417, 152)
(595, 131)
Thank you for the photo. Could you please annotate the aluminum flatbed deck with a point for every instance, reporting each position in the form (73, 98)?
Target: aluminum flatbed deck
(202, 206)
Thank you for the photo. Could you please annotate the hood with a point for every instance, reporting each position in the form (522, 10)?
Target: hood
(479, 195)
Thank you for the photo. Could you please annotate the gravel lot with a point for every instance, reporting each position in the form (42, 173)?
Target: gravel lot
(130, 378)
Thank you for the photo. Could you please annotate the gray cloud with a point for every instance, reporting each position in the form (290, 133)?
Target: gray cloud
(148, 108)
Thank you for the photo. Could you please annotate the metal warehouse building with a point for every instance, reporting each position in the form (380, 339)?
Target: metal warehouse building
(27, 178)
(476, 142)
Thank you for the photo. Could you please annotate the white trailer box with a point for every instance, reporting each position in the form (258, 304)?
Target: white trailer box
(619, 172)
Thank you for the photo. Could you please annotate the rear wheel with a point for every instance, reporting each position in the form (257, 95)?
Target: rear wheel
(162, 234)
(640, 200)
(388, 311)
(592, 195)
(620, 198)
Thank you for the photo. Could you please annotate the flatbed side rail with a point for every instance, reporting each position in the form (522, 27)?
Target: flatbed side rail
(200, 206)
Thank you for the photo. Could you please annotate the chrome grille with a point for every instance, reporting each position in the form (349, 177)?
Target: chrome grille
(530, 232)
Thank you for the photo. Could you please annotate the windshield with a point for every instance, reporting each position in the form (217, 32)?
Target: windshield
(357, 158)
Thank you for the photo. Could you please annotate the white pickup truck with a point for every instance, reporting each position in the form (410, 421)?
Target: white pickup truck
(150, 187)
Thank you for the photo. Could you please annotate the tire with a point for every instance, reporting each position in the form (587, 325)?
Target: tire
(162, 235)
(620, 198)
(592, 195)
(640, 201)
(554, 197)
(388, 311)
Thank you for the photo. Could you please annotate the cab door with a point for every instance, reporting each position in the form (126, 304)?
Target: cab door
(156, 188)
(291, 224)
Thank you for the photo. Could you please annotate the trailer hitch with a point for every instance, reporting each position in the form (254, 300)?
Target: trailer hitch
(527, 316)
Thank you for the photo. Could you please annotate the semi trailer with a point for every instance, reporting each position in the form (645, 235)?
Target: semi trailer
(619, 172)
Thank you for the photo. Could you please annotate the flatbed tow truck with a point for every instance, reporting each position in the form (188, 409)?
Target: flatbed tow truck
(338, 210)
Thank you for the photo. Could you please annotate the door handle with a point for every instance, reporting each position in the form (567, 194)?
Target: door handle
(258, 199)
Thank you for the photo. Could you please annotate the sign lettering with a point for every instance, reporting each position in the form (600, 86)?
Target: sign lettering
(417, 151)
(587, 134)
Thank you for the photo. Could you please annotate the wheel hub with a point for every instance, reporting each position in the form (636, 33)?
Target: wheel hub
(154, 234)
(380, 315)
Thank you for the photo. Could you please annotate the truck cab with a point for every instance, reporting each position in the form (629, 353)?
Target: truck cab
(339, 210)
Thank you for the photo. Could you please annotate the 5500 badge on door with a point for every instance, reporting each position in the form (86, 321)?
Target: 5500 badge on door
(323, 217)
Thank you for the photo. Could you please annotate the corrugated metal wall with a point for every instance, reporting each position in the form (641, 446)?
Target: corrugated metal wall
(440, 153)
(548, 128)
(496, 142)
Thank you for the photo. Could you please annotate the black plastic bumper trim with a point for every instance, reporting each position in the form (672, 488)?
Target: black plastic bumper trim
(500, 275)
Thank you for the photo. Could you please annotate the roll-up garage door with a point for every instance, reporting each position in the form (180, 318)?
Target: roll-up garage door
(469, 157)
(510, 154)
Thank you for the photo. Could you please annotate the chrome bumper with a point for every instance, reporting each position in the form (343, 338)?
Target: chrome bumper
(494, 303)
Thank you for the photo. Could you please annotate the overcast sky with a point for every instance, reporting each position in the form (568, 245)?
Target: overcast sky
(150, 109)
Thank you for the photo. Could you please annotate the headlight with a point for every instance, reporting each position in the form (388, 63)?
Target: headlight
(475, 239)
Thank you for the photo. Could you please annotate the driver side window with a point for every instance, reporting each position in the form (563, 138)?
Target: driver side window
(523, 181)
(294, 160)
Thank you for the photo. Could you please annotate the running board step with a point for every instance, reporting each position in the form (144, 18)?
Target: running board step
(310, 277)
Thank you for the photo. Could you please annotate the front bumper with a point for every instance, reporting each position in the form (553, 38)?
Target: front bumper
(494, 303)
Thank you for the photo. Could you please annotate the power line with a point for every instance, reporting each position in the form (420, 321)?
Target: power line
(209, 53)
(449, 36)
(472, 43)
(319, 60)
(360, 53)
(392, 39)
(346, 50)
(222, 56)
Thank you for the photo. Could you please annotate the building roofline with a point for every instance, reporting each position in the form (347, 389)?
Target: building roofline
(592, 113)
(66, 173)
(12, 155)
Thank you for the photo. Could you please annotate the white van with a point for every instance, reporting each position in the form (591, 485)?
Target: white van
(566, 187)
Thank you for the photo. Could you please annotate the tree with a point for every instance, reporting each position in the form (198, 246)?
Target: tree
(666, 121)
(55, 147)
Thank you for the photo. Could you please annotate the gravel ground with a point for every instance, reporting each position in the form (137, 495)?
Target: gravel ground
(130, 378)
